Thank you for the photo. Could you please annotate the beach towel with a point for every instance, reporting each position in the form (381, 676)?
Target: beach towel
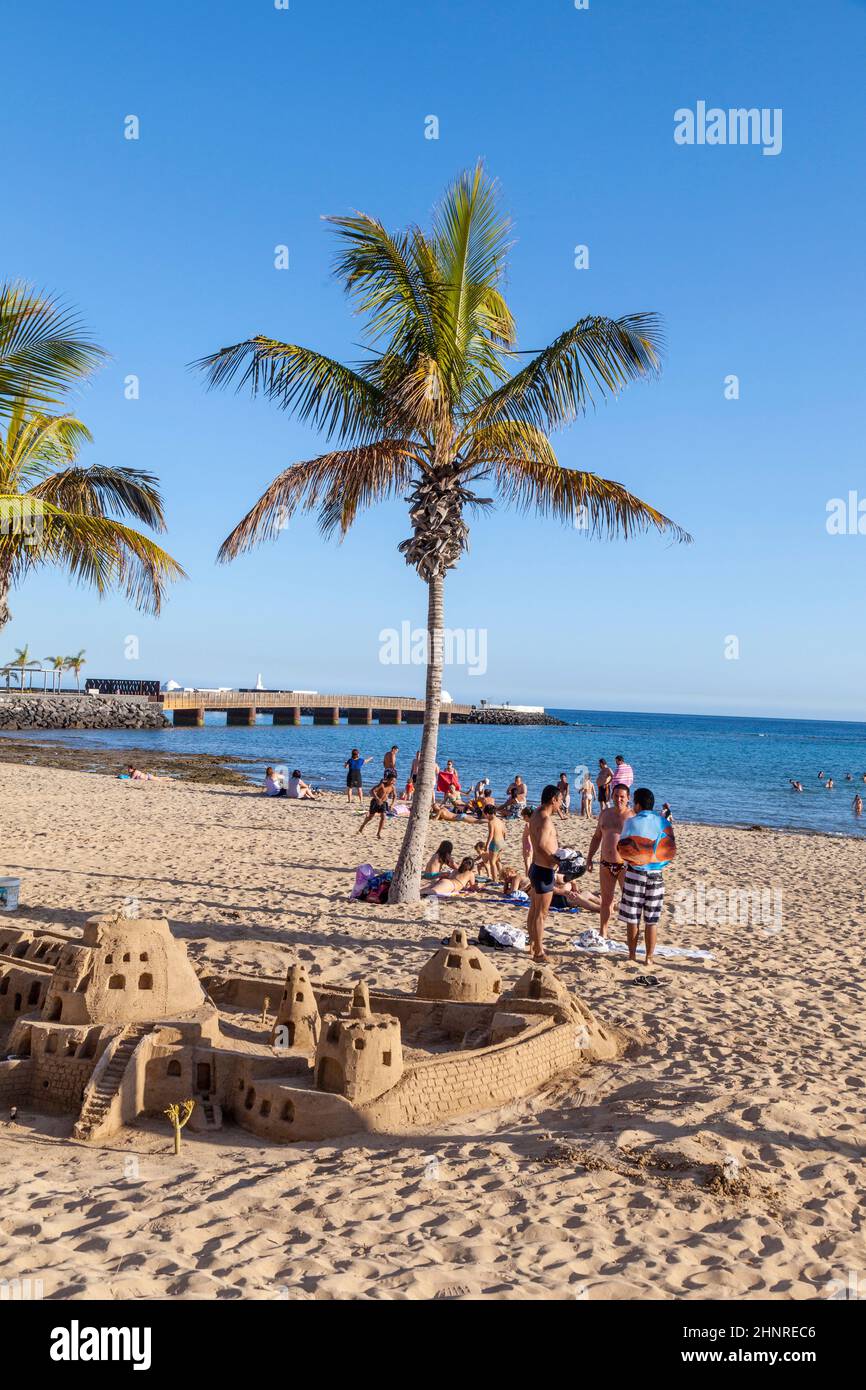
(590, 940)
(502, 937)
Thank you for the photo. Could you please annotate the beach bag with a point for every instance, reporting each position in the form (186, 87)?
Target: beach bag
(363, 874)
(379, 888)
(572, 864)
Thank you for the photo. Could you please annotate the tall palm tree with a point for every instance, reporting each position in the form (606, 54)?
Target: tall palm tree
(433, 408)
(75, 663)
(58, 665)
(54, 511)
(43, 347)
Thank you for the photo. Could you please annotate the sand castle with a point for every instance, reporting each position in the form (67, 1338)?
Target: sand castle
(117, 1025)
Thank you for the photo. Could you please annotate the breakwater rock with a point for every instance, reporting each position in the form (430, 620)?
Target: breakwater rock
(30, 711)
(510, 716)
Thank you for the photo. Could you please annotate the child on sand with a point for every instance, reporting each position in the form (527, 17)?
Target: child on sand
(495, 841)
(382, 798)
(443, 859)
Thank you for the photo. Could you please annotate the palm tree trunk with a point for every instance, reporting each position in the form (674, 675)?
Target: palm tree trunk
(5, 614)
(406, 883)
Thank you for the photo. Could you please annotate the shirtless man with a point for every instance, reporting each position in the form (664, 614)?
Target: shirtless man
(542, 874)
(611, 869)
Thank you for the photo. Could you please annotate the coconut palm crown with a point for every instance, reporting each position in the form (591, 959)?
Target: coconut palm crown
(435, 408)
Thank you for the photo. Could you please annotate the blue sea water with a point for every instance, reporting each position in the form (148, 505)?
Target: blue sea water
(715, 770)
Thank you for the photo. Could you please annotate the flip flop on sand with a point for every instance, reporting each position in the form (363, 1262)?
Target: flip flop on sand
(651, 981)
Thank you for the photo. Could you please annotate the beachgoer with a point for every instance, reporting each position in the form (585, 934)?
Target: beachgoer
(829, 784)
(389, 762)
(382, 798)
(587, 793)
(443, 859)
(495, 841)
(667, 812)
(603, 782)
(857, 805)
(526, 844)
(543, 838)
(480, 789)
(449, 885)
(820, 775)
(274, 783)
(647, 845)
(298, 790)
(798, 787)
(409, 789)
(518, 791)
(564, 797)
(624, 774)
(354, 766)
(135, 774)
(611, 867)
(448, 782)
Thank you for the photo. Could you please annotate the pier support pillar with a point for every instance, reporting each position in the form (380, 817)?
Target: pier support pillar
(287, 716)
(445, 716)
(413, 716)
(390, 716)
(327, 716)
(188, 718)
(245, 716)
(360, 716)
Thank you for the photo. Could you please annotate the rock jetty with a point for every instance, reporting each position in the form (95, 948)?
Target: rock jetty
(30, 711)
(503, 715)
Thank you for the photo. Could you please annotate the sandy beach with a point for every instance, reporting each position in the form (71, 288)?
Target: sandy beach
(721, 1156)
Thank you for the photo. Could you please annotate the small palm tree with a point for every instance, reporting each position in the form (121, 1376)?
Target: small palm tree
(20, 661)
(434, 408)
(75, 663)
(54, 511)
(43, 348)
(58, 665)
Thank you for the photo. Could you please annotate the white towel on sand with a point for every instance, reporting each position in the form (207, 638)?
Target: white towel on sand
(590, 940)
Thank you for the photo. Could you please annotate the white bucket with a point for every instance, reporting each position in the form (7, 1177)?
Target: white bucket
(9, 894)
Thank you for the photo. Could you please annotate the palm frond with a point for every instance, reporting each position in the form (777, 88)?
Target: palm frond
(98, 489)
(595, 358)
(582, 500)
(334, 398)
(392, 280)
(339, 483)
(43, 347)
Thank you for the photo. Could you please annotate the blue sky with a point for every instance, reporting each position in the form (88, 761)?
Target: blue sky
(254, 122)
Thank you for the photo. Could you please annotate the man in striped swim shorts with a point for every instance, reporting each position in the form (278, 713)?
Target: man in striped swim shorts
(647, 845)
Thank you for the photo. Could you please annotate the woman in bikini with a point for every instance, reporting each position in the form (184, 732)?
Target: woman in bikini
(449, 885)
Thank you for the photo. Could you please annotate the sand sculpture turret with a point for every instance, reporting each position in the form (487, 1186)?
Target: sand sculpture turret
(359, 1054)
(298, 1023)
(124, 971)
(459, 972)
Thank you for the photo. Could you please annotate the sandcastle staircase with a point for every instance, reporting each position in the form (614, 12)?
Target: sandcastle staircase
(105, 1083)
(207, 1114)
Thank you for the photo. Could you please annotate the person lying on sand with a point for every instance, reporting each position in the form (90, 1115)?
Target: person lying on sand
(449, 885)
(135, 774)
(382, 797)
(443, 859)
(444, 812)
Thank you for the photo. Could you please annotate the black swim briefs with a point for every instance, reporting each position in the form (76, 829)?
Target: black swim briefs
(541, 879)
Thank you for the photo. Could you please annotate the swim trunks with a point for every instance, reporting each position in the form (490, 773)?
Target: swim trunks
(613, 867)
(541, 879)
(353, 777)
(643, 891)
(602, 794)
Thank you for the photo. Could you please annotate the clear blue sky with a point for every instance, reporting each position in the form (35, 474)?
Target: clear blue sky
(256, 121)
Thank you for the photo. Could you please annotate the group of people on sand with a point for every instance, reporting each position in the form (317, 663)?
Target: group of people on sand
(829, 785)
(294, 787)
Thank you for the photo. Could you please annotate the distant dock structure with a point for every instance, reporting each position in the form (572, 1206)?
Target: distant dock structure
(241, 707)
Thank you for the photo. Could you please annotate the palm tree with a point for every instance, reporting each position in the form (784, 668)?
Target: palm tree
(433, 408)
(58, 665)
(54, 511)
(75, 663)
(43, 349)
(20, 661)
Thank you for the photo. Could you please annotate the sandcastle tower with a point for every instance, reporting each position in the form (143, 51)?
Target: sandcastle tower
(460, 972)
(297, 1024)
(540, 983)
(123, 971)
(359, 1054)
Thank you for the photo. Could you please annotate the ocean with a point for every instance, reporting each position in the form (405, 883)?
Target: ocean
(723, 771)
